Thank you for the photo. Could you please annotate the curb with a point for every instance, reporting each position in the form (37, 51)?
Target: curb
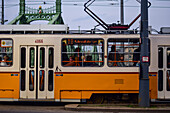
(77, 107)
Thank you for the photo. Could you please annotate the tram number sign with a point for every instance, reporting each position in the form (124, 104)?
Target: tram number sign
(145, 59)
(39, 41)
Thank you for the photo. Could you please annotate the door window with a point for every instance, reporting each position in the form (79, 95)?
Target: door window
(23, 57)
(51, 58)
(42, 80)
(31, 80)
(42, 57)
(32, 57)
(50, 80)
(160, 80)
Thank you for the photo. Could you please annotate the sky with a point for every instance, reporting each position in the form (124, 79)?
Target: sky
(108, 10)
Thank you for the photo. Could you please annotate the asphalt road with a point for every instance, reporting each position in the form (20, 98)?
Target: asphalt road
(32, 107)
(45, 107)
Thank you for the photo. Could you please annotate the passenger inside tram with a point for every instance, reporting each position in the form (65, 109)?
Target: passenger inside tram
(113, 56)
(121, 61)
(4, 61)
(71, 61)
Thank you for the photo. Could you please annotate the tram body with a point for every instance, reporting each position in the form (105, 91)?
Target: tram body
(37, 70)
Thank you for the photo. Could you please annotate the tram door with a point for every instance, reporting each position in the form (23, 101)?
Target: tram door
(164, 72)
(37, 72)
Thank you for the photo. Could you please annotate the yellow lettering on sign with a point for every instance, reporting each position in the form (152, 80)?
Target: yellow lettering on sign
(3, 43)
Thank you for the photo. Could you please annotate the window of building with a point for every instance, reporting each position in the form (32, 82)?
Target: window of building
(123, 52)
(6, 52)
(83, 52)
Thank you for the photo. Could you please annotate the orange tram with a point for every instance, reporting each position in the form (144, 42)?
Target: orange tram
(79, 67)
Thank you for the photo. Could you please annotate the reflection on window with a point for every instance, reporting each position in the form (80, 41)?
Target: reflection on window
(31, 80)
(83, 52)
(123, 52)
(42, 80)
(6, 53)
(32, 57)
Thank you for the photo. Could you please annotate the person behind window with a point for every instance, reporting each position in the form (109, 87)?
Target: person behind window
(136, 57)
(88, 59)
(4, 61)
(121, 61)
(71, 61)
(78, 56)
(113, 56)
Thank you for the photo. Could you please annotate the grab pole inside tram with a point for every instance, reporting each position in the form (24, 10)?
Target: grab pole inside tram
(144, 100)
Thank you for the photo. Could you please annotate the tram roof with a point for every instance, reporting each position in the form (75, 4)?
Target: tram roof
(33, 29)
(56, 29)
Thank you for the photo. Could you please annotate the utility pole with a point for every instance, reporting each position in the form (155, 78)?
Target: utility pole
(121, 12)
(144, 100)
(2, 18)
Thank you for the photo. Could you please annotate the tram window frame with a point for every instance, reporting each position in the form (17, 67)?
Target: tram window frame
(5, 53)
(122, 54)
(82, 64)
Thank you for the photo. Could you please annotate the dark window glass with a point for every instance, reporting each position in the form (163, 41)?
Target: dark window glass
(123, 52)
(160, 80)
(31, 80)
(6, 52)
(50, 80)
(168, 80)
(168, 57)
(23, 57)
(32, 57)
(42, 80)
(42, 57)
(51, 58)
(83, 52)
(160, 57)
(22, 80)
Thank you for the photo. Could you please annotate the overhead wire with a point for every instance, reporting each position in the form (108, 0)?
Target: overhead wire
(77, 3)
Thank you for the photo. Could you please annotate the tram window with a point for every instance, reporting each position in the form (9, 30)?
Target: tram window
(83, 52)
(160, 80)
(42, 80)
(6, 52)
(50, 80)
(168, 57)
(123, 52)
(160, 57)
(42, 57)
(23, 57)
(22, 80)
(31, 80)
(32, 57)
(51, 58)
